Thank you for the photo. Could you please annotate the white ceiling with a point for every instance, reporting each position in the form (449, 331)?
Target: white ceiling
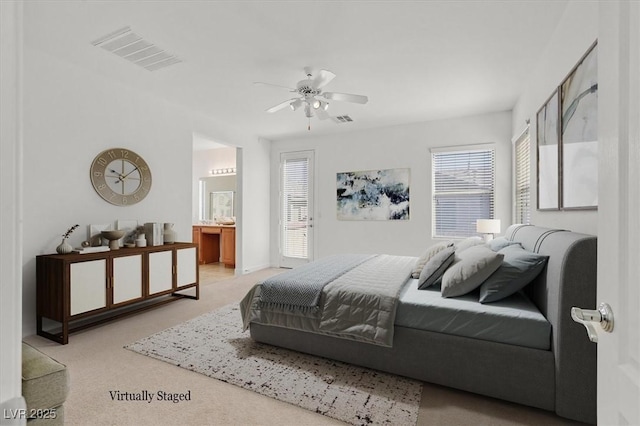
(416, 61)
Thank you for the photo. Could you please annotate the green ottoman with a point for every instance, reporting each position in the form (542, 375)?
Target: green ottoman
(45, 386)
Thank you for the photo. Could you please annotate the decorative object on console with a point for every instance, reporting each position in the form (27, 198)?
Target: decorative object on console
(89, 249)
(169, 235)
(154, 233)
(141, 241)
(113, 237)
(95, 236)
(488, 227)
(64, 246)
(120, 176)
(373, 195)
(129, 227)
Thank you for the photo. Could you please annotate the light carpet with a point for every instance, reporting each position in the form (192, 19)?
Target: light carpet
(214, 344)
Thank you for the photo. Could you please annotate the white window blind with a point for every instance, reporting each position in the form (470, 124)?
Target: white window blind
(522, 194)
(295, 208)
(463, 190)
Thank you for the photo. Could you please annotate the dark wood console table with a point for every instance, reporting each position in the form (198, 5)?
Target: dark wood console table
(82, 290)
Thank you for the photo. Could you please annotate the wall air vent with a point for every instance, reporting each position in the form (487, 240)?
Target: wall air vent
(343, 119)
(132, 47)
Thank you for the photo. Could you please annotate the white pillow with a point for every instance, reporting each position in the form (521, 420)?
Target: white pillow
(472, 267)
(426, 256)
(467, 243)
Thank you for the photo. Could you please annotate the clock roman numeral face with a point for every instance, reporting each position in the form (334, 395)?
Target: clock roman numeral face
(120, 176)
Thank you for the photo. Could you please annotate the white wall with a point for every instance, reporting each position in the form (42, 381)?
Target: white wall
(252, 215)
(11, 207)
(387, 148)
(71, 115)
(576, 31)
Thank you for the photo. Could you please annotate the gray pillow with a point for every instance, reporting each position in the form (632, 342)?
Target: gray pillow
(499, 243)
(435, 268)
(472, 267)
(519, 268)
(426, 256)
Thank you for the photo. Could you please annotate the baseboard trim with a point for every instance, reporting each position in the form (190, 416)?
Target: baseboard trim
(255, 268)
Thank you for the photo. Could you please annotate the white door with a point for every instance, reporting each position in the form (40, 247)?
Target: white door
(296, 208)
(618, 211)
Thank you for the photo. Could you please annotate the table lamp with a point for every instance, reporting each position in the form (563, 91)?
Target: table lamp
(488, 227)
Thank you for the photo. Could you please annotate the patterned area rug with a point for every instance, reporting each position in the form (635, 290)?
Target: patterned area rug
(215, 345)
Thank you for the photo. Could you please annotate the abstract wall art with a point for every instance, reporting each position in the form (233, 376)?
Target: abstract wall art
(567, 140)
(579, 106)
(373, 195)
(548, 154)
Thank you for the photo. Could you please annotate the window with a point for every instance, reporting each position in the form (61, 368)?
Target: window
(522, 196)
(463, 190)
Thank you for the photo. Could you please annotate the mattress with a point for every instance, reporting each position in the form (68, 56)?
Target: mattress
(514, 320)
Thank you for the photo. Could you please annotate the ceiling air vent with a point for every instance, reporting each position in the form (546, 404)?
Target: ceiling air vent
(343, 119)
(132, 47)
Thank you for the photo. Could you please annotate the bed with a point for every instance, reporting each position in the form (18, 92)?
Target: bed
(524, 348)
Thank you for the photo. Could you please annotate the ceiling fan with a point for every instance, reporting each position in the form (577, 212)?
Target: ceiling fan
(311, 97)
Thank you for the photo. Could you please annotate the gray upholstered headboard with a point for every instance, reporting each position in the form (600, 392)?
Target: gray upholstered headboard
(568, 280)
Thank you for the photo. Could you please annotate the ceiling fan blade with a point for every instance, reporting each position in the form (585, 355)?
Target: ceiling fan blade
(281, 105)
(346, 97)
(260, 83)
(322, 78)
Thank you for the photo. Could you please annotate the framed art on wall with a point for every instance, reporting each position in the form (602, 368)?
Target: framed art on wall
(548, 148)
(579, 124)
(567, 140)
(373, 195)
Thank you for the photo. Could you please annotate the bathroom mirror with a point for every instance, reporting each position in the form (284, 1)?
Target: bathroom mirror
(221, 204)
(217, 195)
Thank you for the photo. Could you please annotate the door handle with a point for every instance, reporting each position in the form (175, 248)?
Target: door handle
(603, 316)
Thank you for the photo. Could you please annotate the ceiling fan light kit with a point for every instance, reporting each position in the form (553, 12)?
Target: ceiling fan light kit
(309, 90)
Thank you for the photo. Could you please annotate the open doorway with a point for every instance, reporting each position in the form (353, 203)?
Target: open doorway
(215, 208)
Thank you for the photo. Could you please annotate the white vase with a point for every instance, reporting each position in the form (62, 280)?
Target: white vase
(169, 235)
(64, 247)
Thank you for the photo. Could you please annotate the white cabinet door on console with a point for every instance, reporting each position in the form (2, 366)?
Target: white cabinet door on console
(127, 278)
(160, 271)
(88, 286)
(187, 264)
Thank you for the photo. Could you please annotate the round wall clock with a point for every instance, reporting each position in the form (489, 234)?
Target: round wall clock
(120, 176)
